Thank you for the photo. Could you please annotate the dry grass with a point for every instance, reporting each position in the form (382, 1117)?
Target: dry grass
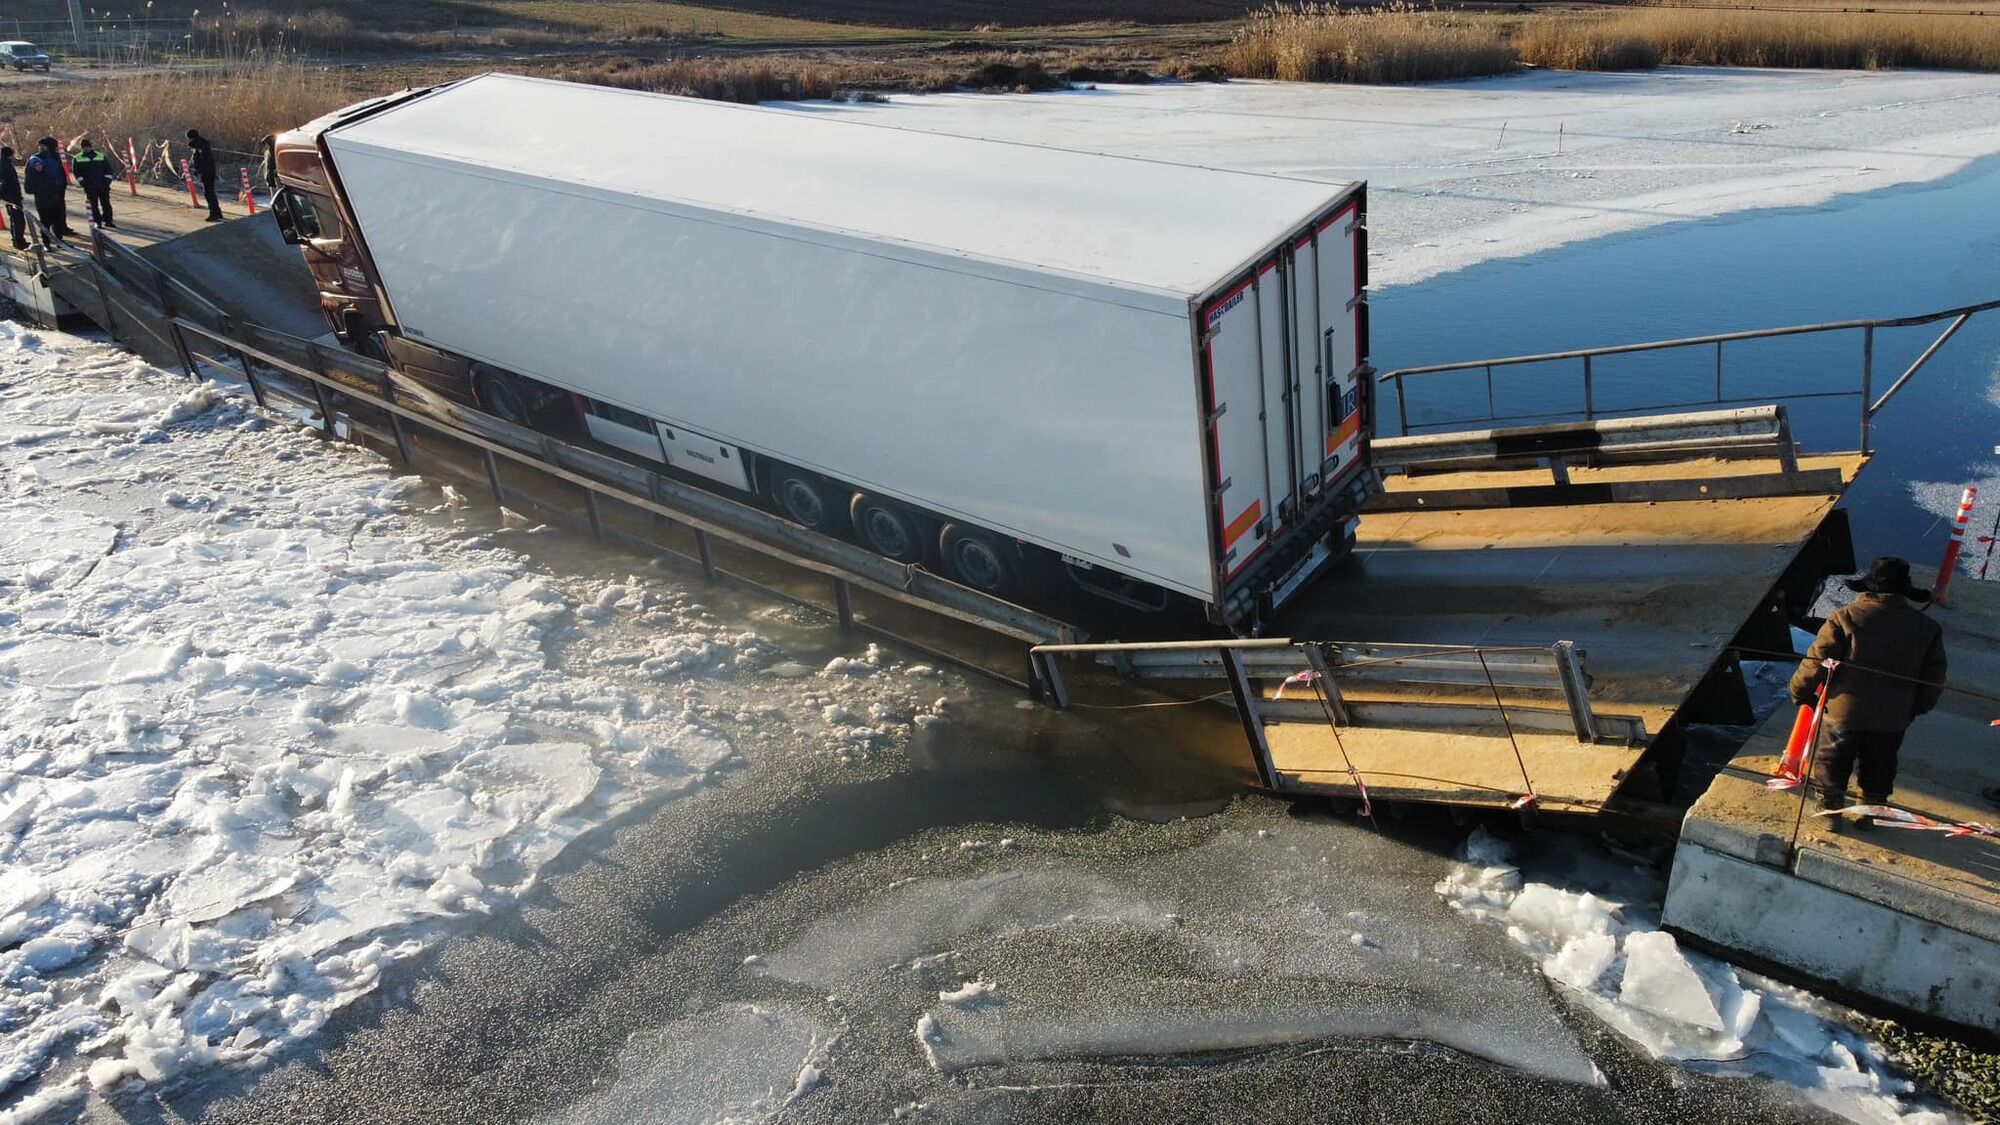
(1322, 42)
(1571, 43)
(746, 80)
(234, 103)
(1839, 40)
(1315, 42)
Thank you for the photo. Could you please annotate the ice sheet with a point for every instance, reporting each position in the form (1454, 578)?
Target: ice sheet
(1602, 945)
(1464, 172)
(263, 731)
(1244, 941)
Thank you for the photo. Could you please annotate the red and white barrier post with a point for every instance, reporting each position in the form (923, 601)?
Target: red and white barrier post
(249, 200)
(1956, 545)
(187, 174)
(132, 166)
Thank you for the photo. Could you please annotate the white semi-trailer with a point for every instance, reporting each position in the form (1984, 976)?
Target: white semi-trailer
(1004, 360)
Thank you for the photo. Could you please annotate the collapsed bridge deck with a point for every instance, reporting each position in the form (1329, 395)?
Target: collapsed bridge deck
(1653, 594)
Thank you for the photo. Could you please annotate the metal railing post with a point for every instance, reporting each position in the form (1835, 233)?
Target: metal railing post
(1589, 398)
(1910, 372)
(590, 507)
(1402, 408)
(1867, 386)
(181, 348)
(1576, 690)
(250, 376)
(1329, 691)
(843, 604)
(401, 435)
(1045, 680)
(1246, 698)
(492, 475)
(707, 552)
(1788, 452)
(325, 410)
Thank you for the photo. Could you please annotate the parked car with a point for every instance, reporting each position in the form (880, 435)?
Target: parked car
(22, 55)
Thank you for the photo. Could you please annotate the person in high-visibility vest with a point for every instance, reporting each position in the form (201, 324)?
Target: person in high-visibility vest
(96, 171)
(12, 199)
(1891, 670)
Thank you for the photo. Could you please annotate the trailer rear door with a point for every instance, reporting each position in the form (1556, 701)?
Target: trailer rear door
(1284, 350)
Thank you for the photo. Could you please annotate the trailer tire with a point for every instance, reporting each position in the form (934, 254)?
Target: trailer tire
(807, 500)
(501, 395)
(887, 528)
(979, 560)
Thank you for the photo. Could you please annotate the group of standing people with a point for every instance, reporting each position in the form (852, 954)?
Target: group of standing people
(46, 181)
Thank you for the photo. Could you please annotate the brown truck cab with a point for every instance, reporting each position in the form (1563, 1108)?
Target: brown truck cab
(311, 217)
(312, 214)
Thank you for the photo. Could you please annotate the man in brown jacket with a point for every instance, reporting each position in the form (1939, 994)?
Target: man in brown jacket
(1891, 669)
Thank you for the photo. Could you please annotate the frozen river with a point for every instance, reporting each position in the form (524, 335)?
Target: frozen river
(324, 796)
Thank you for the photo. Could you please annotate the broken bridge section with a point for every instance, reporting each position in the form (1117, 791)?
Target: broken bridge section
(1533, 615)
(1498, 726)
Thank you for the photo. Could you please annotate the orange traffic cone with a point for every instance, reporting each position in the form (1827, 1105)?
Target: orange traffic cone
(1805, 733)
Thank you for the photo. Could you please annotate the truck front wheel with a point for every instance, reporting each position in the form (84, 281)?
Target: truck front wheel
(887, 528)
(501, 394)
(978, 560)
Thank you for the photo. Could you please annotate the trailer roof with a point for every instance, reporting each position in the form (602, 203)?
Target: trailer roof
(1153, 225)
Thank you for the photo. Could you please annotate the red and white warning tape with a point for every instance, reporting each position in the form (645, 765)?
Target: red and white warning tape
(1888, 816)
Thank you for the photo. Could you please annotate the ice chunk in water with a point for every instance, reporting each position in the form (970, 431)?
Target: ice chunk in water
(1659, 980)
(1581, 962)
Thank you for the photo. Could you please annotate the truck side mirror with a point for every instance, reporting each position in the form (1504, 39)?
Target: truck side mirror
(288, 228)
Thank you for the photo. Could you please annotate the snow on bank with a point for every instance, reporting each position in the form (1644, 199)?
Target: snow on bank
(1464, 172)
(265, 727)
(1609, 956)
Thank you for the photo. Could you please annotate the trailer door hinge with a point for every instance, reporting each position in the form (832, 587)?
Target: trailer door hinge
(1218, 412)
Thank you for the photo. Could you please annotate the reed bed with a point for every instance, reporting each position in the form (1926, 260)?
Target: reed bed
(235, 103)
(1328, 42)
(1320, 42)
(1836, 40)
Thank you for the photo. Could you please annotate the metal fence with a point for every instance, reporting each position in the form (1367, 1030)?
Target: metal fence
(1346, 684)
(1588, 372)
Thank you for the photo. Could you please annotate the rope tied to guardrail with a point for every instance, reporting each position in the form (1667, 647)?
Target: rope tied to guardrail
(1530, 797)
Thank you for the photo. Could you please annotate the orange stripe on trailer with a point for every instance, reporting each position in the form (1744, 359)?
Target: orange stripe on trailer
(1347, 430)
(1242, 523)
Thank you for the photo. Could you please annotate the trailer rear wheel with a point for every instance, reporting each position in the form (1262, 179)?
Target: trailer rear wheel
(806, 500)
(978, 560)
(887, 528)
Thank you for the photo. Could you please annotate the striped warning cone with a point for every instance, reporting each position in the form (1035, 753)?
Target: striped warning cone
(1956, 545)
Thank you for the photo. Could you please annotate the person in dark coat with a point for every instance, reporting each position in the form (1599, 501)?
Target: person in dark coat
(204, 170)
(267, 162)
(96, 170)
(48, 182)
(11, 198)
(1892, 669)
